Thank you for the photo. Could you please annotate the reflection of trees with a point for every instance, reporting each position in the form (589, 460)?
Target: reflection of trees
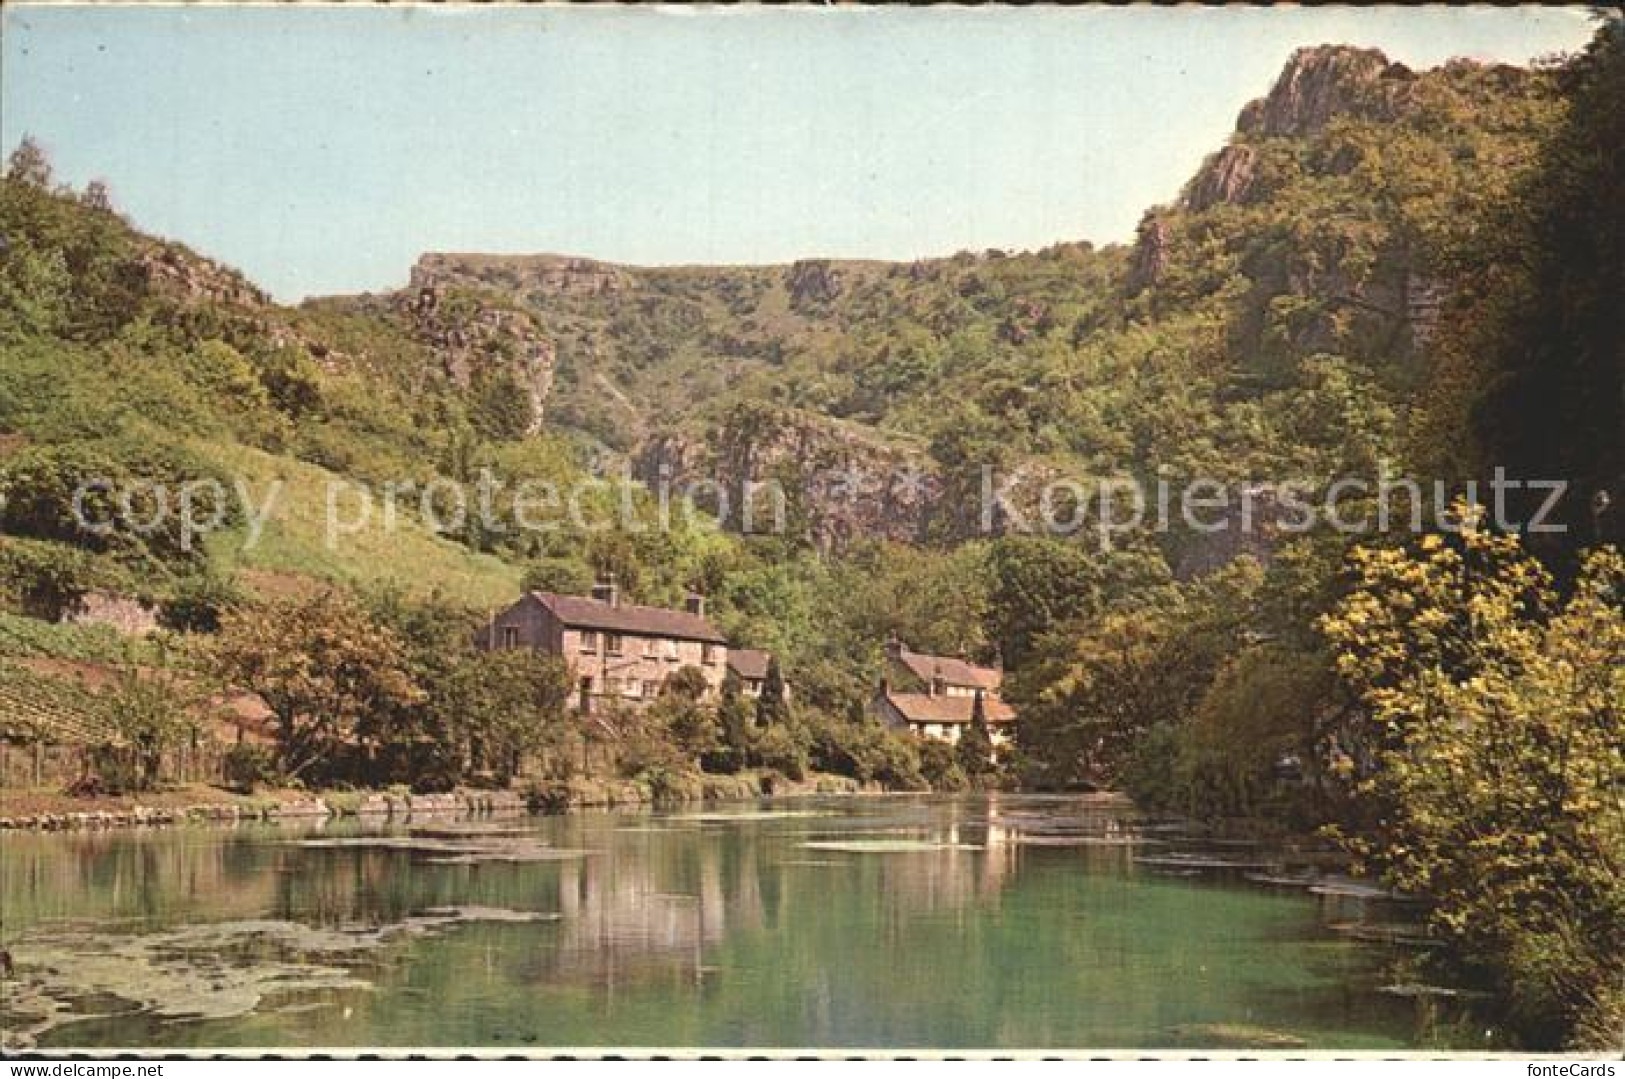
(739, 935)
(160, 877)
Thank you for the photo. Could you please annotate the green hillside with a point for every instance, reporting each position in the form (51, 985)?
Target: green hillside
(1382, 270)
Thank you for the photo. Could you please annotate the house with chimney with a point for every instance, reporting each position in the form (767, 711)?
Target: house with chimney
(935, 696)
(618, 652)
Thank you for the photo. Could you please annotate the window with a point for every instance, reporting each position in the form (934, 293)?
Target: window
(612, 643)
(651, 647)
(589, 640)
(612, 687)
(708, 654)
(510, 636)
(651, 689)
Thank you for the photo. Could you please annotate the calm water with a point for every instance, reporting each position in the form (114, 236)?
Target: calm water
(1015, 922)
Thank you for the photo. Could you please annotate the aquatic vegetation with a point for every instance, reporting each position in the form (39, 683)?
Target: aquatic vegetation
(216, 970)
(742, 816)
(887, 846)
(495, 847)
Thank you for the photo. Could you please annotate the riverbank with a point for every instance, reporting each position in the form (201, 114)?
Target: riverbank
(53, 810)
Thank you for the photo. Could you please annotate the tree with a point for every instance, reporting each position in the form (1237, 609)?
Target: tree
(29, 164)
(687, 682)
(691, 725)
(325, 668)
(738, 724)
(1498, 717)
(772, 707)
(1038, 582)
(1097, 687)
(975, 746)
(144, 717)
(1551, 273)
(567, 576)
(495, 707)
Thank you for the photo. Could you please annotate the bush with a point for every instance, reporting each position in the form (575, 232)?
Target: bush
(45, 579)
(246, 767)
(198, 602)
(939, 765)
(783, 750)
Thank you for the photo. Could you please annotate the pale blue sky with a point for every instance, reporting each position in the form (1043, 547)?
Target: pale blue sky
(322, 149)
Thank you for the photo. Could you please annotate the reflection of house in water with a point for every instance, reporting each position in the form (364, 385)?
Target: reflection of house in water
(642, 910)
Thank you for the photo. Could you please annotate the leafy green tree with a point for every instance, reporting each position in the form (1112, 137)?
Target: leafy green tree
(144, 717)
(46, 579)
(1549, 274)
(1097, 687)
(496, 708)
(773, 706)
(1497, 711)
(325, 668)
(566, 576)
(737, 721)
(198, 602)
(1038, 582)
(29, 164)
(975, 745)
(687, 682)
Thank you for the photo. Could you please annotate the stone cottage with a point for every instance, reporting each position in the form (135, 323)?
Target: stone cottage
(935, 696)
(620, 652)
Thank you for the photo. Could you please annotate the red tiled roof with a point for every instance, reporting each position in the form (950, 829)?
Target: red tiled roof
(955, 672)
(582, 612)
(924, 708)
(750, 663)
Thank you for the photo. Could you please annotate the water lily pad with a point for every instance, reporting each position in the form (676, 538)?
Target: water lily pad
(1415, 990)
(886, 846)
(1199, 861)
(743, 815)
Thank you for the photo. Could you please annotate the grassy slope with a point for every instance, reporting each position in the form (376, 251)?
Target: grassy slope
(295, 541)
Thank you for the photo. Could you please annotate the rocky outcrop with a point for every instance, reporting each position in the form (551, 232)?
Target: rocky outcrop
(176, 273)
(471, 337)
(1325, 81)
(812, 283)
(821, 479)
(1225, 177)
(534, 276)
(1150, 254)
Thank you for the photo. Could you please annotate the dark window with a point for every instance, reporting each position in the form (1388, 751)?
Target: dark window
(708, 654)
(589, 640)
(510, 636)
(612, 643)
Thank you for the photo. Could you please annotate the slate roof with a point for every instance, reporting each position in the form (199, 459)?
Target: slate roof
(583, 612)
(924, 708)
(749, 663)
(955, 672)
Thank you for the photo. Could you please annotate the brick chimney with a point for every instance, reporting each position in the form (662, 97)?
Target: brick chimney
(694, 603)
(894, 648)
(606, 590)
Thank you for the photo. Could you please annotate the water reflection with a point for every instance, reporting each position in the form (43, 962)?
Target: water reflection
(1001, 922)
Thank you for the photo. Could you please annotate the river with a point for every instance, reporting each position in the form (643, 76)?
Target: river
(1010, 922)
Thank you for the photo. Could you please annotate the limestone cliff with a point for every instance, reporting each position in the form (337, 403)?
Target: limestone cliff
(532, 276)
(1325, 81)
(473, 338)
(839, 481)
